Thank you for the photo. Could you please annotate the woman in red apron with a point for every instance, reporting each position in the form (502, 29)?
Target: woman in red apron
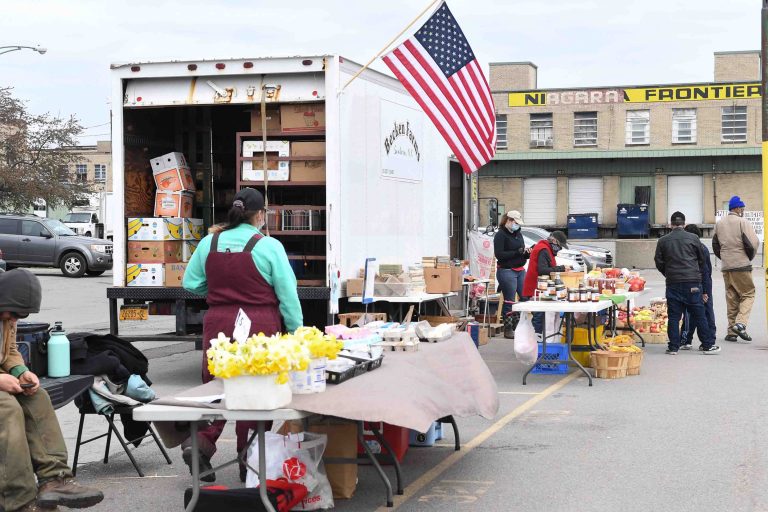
(238, 268)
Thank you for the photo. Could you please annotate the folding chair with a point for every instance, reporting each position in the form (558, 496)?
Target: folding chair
(86, 408)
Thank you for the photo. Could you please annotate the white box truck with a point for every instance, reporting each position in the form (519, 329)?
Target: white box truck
(368, 173)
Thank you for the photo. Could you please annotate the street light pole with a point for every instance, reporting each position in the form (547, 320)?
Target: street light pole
(8, 49)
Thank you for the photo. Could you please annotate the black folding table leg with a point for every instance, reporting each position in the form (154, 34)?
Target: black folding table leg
(372, 458)
(452, 421)
(393, 458)
(77, 444)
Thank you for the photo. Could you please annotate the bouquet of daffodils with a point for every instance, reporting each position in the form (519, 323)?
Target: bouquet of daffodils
(259, 355)
(317, 343)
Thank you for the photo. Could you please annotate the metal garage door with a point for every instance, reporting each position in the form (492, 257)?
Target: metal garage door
(585, 195)
(686, 194)
(540, 201)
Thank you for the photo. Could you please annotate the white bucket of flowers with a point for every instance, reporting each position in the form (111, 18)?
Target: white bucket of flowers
(320, 347)
(255, 373)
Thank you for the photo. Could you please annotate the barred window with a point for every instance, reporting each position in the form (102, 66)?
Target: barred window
(638, 127)
(501, 131)
(734, 124)
(585, 128)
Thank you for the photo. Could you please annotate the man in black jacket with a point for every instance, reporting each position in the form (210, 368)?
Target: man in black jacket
(680, 259)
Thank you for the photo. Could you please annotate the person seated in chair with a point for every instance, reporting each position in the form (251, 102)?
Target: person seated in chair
(34, 474)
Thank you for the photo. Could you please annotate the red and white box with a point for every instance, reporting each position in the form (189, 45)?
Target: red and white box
(173, 204)
(172, 173)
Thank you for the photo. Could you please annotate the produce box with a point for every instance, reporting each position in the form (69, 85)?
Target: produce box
(194, 229)
(355, 287)
(155, 252)
(143, 274)
(173, 204)
(174, 274)
(308, 170)
(172, 173)
(139, 192)
(164, 228)
(302, 117)
(188, 249)
(438, 280)
(278, 170)
(273, 120)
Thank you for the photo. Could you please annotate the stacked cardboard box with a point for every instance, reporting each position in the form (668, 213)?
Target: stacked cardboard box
(175, 186)
(440, 276)
(252, 170)
(159, 249)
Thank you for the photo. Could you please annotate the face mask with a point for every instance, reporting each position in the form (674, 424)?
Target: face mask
(555, 248)
(513, 227)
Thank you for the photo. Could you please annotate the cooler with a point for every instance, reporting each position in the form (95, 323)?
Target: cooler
(31, 341)
(632, 220)
(582, 225)
(427, 438)
(396, 437)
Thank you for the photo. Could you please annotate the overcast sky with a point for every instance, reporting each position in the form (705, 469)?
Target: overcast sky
(573, 42)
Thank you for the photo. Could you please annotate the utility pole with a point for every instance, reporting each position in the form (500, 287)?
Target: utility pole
(764, 99)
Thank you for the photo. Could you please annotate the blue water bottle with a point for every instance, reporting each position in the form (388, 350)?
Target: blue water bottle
(58, 352)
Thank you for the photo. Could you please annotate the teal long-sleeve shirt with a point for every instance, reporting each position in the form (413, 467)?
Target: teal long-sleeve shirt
(270, 259)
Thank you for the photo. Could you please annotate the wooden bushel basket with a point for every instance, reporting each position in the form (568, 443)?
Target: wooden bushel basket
(634, 363)
(609, 365)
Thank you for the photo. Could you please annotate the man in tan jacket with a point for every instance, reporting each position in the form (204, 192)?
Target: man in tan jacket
(736, 244)
(34, 474)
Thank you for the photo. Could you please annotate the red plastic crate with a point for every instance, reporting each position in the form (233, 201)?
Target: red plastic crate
(397, 437)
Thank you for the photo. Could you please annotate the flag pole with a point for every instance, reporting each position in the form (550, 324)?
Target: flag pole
(427, 8)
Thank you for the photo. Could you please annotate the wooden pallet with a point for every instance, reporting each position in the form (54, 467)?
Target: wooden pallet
(496, 330)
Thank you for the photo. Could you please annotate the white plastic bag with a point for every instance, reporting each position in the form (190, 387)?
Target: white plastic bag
(298, 458)
(526, 348)
(552, 326)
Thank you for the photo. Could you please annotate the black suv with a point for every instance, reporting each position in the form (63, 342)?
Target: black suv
(29, 240)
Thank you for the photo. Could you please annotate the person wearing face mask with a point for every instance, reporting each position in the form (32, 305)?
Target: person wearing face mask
(511, 255)
(236, 267)
(543, 263)
(735, 244)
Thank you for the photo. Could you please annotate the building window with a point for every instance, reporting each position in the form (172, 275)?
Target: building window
(81, 173)
(501, 131)
(638, 127)
(734, 124)
(684, 125)
(585, 128)
(541, 130)
(100, 173)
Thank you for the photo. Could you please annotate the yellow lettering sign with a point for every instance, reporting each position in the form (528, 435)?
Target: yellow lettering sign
(692, 93)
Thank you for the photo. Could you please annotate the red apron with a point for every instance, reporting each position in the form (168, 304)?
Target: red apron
(234, 283)
(532, 275)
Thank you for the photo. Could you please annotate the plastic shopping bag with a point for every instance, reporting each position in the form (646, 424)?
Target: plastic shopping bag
(299, 459)
(526, 348)
(552, 326)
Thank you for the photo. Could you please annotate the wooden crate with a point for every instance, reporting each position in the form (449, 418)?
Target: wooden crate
(349, 319)
(653, 338)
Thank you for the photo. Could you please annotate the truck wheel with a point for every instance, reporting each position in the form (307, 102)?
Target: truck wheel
(73, 264)
(88, 233)
(94, 273)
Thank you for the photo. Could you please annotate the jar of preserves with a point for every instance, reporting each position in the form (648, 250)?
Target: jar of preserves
(562, 293)
(541, 283)
(551, 290)
(582, 294)
(595, 295)
(573, 295)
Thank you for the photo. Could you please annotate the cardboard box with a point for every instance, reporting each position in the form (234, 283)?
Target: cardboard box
(483, 336)
(273, 120)
(168, 161)
(148, 229)
(278, 171)
(174, 180)
(173, 274)
(193, 229)
(355, 287)
(144, 275)
(308, 170)
(139, 193)
(438, 280)
(302, 117)
(155, 252)
(173, 204)
(457, 279)
(188, 249)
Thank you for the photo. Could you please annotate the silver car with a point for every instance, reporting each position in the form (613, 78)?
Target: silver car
(588, 256)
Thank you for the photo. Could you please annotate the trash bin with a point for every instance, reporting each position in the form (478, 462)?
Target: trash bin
(632, 220)
(582, 225)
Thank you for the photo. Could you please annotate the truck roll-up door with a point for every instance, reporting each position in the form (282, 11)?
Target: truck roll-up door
(585, 195)
(540, 201)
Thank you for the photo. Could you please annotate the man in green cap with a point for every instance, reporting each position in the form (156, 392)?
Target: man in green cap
(34, 474)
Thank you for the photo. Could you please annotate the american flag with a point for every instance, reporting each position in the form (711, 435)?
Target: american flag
(437, 66)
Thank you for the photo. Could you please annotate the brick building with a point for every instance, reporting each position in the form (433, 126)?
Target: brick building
(94, 165)
(686, 147)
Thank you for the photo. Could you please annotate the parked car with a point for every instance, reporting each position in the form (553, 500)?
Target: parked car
(570, 257)
(591, 255)
(29, 240)
(2, 262)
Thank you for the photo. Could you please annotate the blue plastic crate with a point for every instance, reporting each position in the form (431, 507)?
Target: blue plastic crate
(427, 438)
(555, 351)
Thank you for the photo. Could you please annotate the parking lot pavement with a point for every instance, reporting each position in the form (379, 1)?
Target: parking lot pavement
(684, 435)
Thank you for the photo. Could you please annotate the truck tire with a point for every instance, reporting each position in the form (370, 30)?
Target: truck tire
(73, 264)
(94, 273)
(88, 234)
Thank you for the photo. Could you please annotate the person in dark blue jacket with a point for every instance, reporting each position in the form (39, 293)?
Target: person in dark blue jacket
(686, 336)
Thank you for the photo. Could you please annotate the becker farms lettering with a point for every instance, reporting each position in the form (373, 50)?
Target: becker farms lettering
(635, 95)
(403, 129)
